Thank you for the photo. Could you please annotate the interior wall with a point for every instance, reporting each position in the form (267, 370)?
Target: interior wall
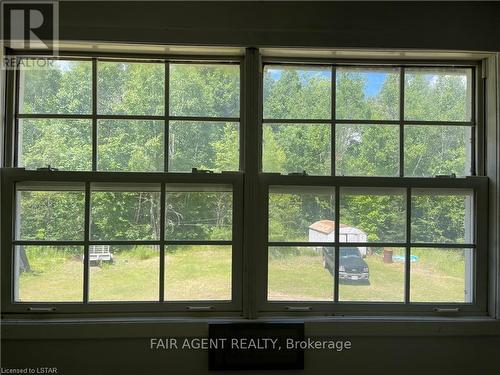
(440, 25)
(84, 349)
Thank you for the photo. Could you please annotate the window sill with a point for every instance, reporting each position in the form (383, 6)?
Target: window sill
(49, 328)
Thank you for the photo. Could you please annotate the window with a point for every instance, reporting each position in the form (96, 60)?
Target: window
(99, 222)
(175, 185)
(346, 229)
(118, 115)
(114, 242)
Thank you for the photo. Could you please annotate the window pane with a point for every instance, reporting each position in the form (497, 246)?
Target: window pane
(57, 86)
(196, 212)
(375, 274)
(125, 88)
(438, 94)
(52, 214)
(204, 145)
(125, 212)
(442, 275)
(367, 94)
(130, 145)
(124, 273)
(292, 92)
(197, 273)
(299, 213)
(442, 216)
(299, 274)
(435, 150)
(367, 150)
(289, 148)
(372, 215)
(48, 274)
(208, 90)
(64, 144)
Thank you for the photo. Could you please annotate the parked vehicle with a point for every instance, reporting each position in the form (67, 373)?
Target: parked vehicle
(352, 266)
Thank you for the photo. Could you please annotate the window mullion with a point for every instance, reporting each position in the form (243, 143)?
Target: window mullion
(86, 251)
(333, 148)
(401, 122)
(408, 248)
(166, 137)
(253, 233)
(337, 247)
(94, 114)
(162, 244)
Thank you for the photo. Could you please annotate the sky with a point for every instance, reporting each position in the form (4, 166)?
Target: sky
(374, 80)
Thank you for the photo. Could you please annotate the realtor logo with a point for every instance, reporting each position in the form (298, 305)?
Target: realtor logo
(30, 25)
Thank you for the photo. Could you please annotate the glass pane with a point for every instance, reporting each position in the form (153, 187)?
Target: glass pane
(367, 150)
(372, 215)
(125, 213)
(438, 94)
(204, 145)
(435, 150)
(124, 273)
(48, 274)
(198, 212)
(65, 144)
(51, 215)
(299, 213)
(442, 216)
(442, 275)
(375, 274)
(198, 273)
(125, 88)
(291, 148)
(367, 94)
(299, 274)
(55, 86)
(130, 145)
(292, 92)
(209, 90)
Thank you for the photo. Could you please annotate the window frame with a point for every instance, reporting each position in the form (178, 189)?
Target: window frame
(252, 187)
(477, 132)
(10, 177)
(94, 116)
(476, 181)
(478, 184)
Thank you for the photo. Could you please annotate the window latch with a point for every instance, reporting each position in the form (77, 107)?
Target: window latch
(446, 310)
(303, 173)
(196, 170)
(41, 309)
(200, 308)
(299, 308)
(48, 168)
(452, 175)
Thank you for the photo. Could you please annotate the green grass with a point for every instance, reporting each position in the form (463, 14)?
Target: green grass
(438, 276)
(56, 275)
(198, 273)
(204, 273)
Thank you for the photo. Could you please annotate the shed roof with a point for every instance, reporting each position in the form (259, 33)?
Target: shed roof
(325, 226)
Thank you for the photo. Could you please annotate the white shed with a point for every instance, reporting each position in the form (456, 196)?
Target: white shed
(324, 231)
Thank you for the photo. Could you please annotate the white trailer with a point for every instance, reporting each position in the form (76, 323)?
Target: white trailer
(324, 231)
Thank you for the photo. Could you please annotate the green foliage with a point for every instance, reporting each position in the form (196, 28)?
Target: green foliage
(213, 90)
(125, 215)
(51, 215)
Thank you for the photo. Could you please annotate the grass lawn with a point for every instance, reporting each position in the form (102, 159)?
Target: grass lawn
(437, 276)
(204, 273)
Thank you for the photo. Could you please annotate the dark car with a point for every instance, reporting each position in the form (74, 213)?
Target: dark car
(352, 266)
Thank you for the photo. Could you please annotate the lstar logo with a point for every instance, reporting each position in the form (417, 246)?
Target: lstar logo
(30, 25)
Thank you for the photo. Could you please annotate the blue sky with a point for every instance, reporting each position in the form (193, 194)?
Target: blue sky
(374, 80)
